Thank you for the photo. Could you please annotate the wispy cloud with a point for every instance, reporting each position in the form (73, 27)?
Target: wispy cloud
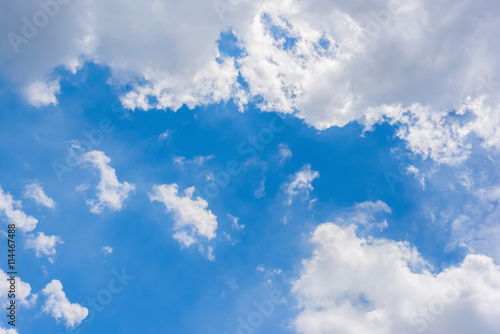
(35, 192)
(301, 183)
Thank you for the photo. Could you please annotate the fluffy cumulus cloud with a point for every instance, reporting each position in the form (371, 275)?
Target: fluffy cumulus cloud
(42, 94)
(193, 219)
(111, 193)
(24, 297)
(215, 83)
(11, 210)
(178, 70)
(357, 285)
(59, 307)
(331, 63)
(328, 62)
(43, 244)
(35, 192)
(300, 183)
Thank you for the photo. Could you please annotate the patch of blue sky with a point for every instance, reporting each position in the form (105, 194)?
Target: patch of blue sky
(282, 34)
(229, 45)
(173, 286)
(325, 47)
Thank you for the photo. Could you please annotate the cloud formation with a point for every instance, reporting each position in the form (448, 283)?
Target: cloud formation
(474, 225)
(285, 153)
(301, 183)
(23, 292)
(35, 192)
(43, 244)
(41, 93)
(59, 307)
(11, 209)
(198, 160)
(111, 193)
(192, 217)
(106, 250)
(356, 285)
(327, 62)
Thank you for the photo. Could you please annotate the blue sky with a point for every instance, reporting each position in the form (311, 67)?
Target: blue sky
(181, 283)
(361, 205)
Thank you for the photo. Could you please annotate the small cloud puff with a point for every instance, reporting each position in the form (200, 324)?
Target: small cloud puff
(106, 250)
(35, 192)
(301, 183)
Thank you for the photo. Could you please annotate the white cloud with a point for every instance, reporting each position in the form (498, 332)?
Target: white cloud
(7, 331)
(186, 239)
(43, 244)
(192, 218)
(210, 254)
(82, 187)
(23, 292)
(215, 83)
(261, 191)
(174, 73)
(10, 208)
(334, 63)
(59, 307)
(365, 214)
(485, 125)
(111, 193)
(301, 183)
(328, 62)
(356, 285)
(228, 237)
(285, 153)
(167, 135)
(474, 222)
(198, 160)
(40, 94)
(179, 160)
(106, 250)
(269, 273)
(35, 191)
(235, 222)
(432, 134)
